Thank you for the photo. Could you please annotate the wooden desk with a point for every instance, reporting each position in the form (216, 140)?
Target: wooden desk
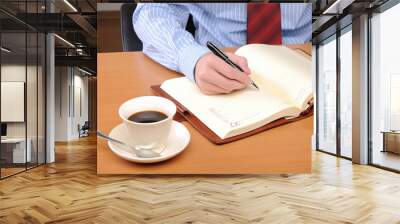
(122, 76)
(391, 141)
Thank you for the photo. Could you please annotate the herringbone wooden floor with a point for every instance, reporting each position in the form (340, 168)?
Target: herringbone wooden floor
(69, 191)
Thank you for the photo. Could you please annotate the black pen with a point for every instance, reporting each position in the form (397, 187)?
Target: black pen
(215, 50)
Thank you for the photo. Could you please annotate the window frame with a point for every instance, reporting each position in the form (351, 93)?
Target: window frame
(347, 27)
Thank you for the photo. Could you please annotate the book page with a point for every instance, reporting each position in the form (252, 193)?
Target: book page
(284, 72)
(229, 114)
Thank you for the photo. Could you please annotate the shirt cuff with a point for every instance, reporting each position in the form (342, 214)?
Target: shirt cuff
(188, 59)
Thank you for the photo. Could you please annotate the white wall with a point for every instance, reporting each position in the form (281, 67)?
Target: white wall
(33, 127)
(61, 103)
(80, 103)
(15, 72)
(70, 81)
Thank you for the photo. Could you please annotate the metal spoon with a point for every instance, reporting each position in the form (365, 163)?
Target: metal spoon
(144, 153)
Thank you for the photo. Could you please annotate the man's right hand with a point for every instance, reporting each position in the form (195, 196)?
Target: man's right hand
(215, 76)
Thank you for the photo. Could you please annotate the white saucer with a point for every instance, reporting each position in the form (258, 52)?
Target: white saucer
(177, 141)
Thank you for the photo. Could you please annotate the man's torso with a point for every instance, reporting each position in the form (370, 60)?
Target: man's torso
(226, 25)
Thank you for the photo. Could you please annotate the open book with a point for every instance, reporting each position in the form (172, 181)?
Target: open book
(283, 76)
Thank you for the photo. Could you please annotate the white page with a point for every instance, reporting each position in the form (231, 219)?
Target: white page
(229, 114)
(284, 71)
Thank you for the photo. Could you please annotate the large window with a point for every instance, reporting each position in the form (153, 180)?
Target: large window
(327, 96)
(385, 89)
(334, 115)
(346, 93)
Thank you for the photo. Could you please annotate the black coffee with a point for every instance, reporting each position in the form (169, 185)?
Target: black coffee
(147, 116)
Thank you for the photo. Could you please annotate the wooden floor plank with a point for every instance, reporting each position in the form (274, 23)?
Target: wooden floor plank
(69, 191)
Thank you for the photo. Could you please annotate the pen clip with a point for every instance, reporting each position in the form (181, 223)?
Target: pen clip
(216, 50)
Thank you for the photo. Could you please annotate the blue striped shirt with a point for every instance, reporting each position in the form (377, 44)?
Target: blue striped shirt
(161, 27)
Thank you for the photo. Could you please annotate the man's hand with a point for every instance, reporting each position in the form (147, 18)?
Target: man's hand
(214, 76)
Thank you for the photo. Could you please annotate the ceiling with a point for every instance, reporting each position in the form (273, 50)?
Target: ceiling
(72, 20)
(75, 21)
(328, 13)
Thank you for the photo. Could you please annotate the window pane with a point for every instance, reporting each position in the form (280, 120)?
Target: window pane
(385, 84)
(345, 94)
(327, 97)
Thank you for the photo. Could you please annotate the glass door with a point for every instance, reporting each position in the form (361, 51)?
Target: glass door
(14, 145)
(22, 77)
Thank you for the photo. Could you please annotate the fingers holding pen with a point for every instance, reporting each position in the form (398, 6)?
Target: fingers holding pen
(214, 76)
(230, 72)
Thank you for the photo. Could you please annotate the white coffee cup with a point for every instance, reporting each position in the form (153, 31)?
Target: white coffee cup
(148, 135)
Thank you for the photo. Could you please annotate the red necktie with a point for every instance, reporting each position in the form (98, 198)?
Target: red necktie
(264, 23)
